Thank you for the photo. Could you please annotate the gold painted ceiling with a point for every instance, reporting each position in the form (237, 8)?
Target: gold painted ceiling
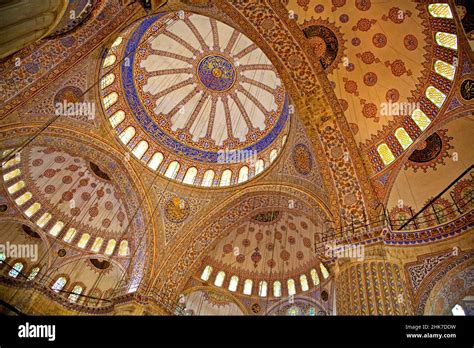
(134, 200)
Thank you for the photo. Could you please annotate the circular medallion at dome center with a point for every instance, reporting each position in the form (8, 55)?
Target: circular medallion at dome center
(216, 73)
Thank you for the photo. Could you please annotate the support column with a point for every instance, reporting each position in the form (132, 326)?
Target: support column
(373, 286)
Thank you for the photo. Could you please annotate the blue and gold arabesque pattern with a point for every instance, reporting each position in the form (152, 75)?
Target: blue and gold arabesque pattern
(216, 73)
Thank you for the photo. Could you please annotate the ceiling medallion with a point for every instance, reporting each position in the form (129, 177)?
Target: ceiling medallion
(216, 73)
(467, 89)
(177, 210)
(325, 41)
(256, 308)
(431, 152)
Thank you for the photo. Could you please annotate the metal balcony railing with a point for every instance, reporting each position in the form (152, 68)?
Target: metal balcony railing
(430, 215)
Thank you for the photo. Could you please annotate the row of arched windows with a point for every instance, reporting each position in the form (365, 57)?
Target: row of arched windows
(18, 267)
(61, 282)
(209, 177)
(262, 290)
(444, 69)
(77, 290)
(59, 285)
(43, 220)
(111, 58)
(56, 286)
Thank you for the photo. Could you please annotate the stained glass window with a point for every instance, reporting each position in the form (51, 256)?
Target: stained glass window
(444, 69)
(248, 287)
(109, 250)
(312, 311)
(273, 155)
(467, 195)
(83, 241)
(226, 177)
(109, 60)
(107, 80)
(32, 209)
(44, 219)
(16, 187)
(76, 291)
(127, 135)
(324, 271)
(447, 40)
(17, 267)
(23, 198)
(243, 174)
(2, 256)
(219, 279)
(304, 283)
(315, 277)
(58, 226)
(156, 161)
(190, 176)
(401, 218)
(140, 149)
(435, 96)
(206, 273)
(12, 174)
(69, 236)
(117, 118)
(59, 284)
(259, 166)
(97, 244)
(440, 215)
(110, 100)
(262, 288)
(208, 178)
(117, 41)
(11, 162)
(403, 138)
(123, 248)
(34, 272)
(458, 310)
(277, 289)
(293, 310)
(420, 118)
(385, 153)
(291, 287)
(234, 281)
(172, 170)
(440, 10)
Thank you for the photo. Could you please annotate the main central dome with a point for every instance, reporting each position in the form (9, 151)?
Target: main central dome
(196, 94)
